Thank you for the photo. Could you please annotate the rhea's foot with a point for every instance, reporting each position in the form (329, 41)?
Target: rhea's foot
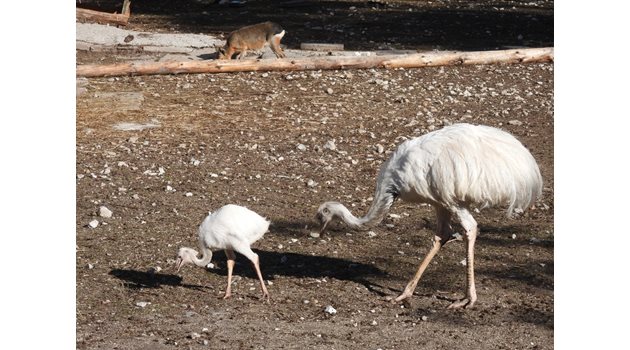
(465, 303)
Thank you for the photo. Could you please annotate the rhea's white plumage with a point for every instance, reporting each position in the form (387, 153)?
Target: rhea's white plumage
(453, 169)
(232, 228)
(232, 225)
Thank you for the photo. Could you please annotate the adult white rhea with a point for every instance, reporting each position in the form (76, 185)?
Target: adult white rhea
(453, 169)
(232, 228)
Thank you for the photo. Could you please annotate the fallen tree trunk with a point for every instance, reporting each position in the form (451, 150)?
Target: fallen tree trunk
(428, 59)
(103, 17)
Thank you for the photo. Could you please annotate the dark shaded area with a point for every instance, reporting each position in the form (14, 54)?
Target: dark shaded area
(134, 279)
(369, 25)
(298, 265)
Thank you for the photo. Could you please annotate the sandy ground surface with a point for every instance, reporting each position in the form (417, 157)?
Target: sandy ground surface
(162, 151)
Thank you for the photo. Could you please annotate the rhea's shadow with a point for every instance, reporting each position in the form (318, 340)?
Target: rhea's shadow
(135, 279)
(273, 264)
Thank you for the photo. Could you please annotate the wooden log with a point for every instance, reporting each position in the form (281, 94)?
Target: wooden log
(418, 60)
(102, 17)
(321, 47)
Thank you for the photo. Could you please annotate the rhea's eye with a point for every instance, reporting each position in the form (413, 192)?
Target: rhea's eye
(325, 211)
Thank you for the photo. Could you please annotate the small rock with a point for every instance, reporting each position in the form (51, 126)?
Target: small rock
(394, 216)
(330, 145)
(169, 188)
(513, 236)
(330, 310)
(424, 318)
(515, 122)
(189, 194)
(206, 342)
(374, 323)
(264, 75)
(194, 335)
(371, 234)
(329, 91)
(142, 303)
(301, 147)
(211, 266)
(380, 149)
(93, 223)
(463, 262)
(204, 330)
(90, 266)
(314, 234)
(104, 212)
(311, 183)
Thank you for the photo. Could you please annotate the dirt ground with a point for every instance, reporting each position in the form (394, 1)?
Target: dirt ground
(162, 151)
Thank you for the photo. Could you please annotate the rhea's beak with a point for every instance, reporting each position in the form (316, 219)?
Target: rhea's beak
(322, 223)
(178, 263)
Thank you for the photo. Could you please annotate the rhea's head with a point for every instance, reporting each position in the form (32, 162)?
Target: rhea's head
(185, 256)
(327, 213)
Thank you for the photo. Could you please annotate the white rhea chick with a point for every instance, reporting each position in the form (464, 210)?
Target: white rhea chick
(453, 169)
(232, 228)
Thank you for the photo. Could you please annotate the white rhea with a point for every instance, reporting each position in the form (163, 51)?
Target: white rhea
(232, 228)
(453, 169)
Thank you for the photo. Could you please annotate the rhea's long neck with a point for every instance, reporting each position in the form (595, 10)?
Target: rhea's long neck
(375, 214)
(206, 257)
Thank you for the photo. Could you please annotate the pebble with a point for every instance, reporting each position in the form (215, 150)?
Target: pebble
(104, 212)
(424, 318)
(513, 236)
(314, 234)
(90, 266)
(330, 145)
(194, 335)
(264, 75)
(301, 147)
(93, 223)
(329, 91)
(394, 216)
(311, 183)
(380, 149)
(463, 262)
(142, 303)
(330, 310)
(371, 234)
(515, 122)
(188, 194)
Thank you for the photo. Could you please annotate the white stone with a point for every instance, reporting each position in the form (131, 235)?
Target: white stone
(515, 122)
(104, 212)
(314, 234)
(301, 147)
(142, 303)
(330, 310)
(371, 234)
(330, 145)
(93, 223)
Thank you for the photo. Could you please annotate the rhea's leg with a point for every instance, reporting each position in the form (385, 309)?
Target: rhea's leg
(470, 225)
(253, 257)
(443, 233)
(231, 259)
